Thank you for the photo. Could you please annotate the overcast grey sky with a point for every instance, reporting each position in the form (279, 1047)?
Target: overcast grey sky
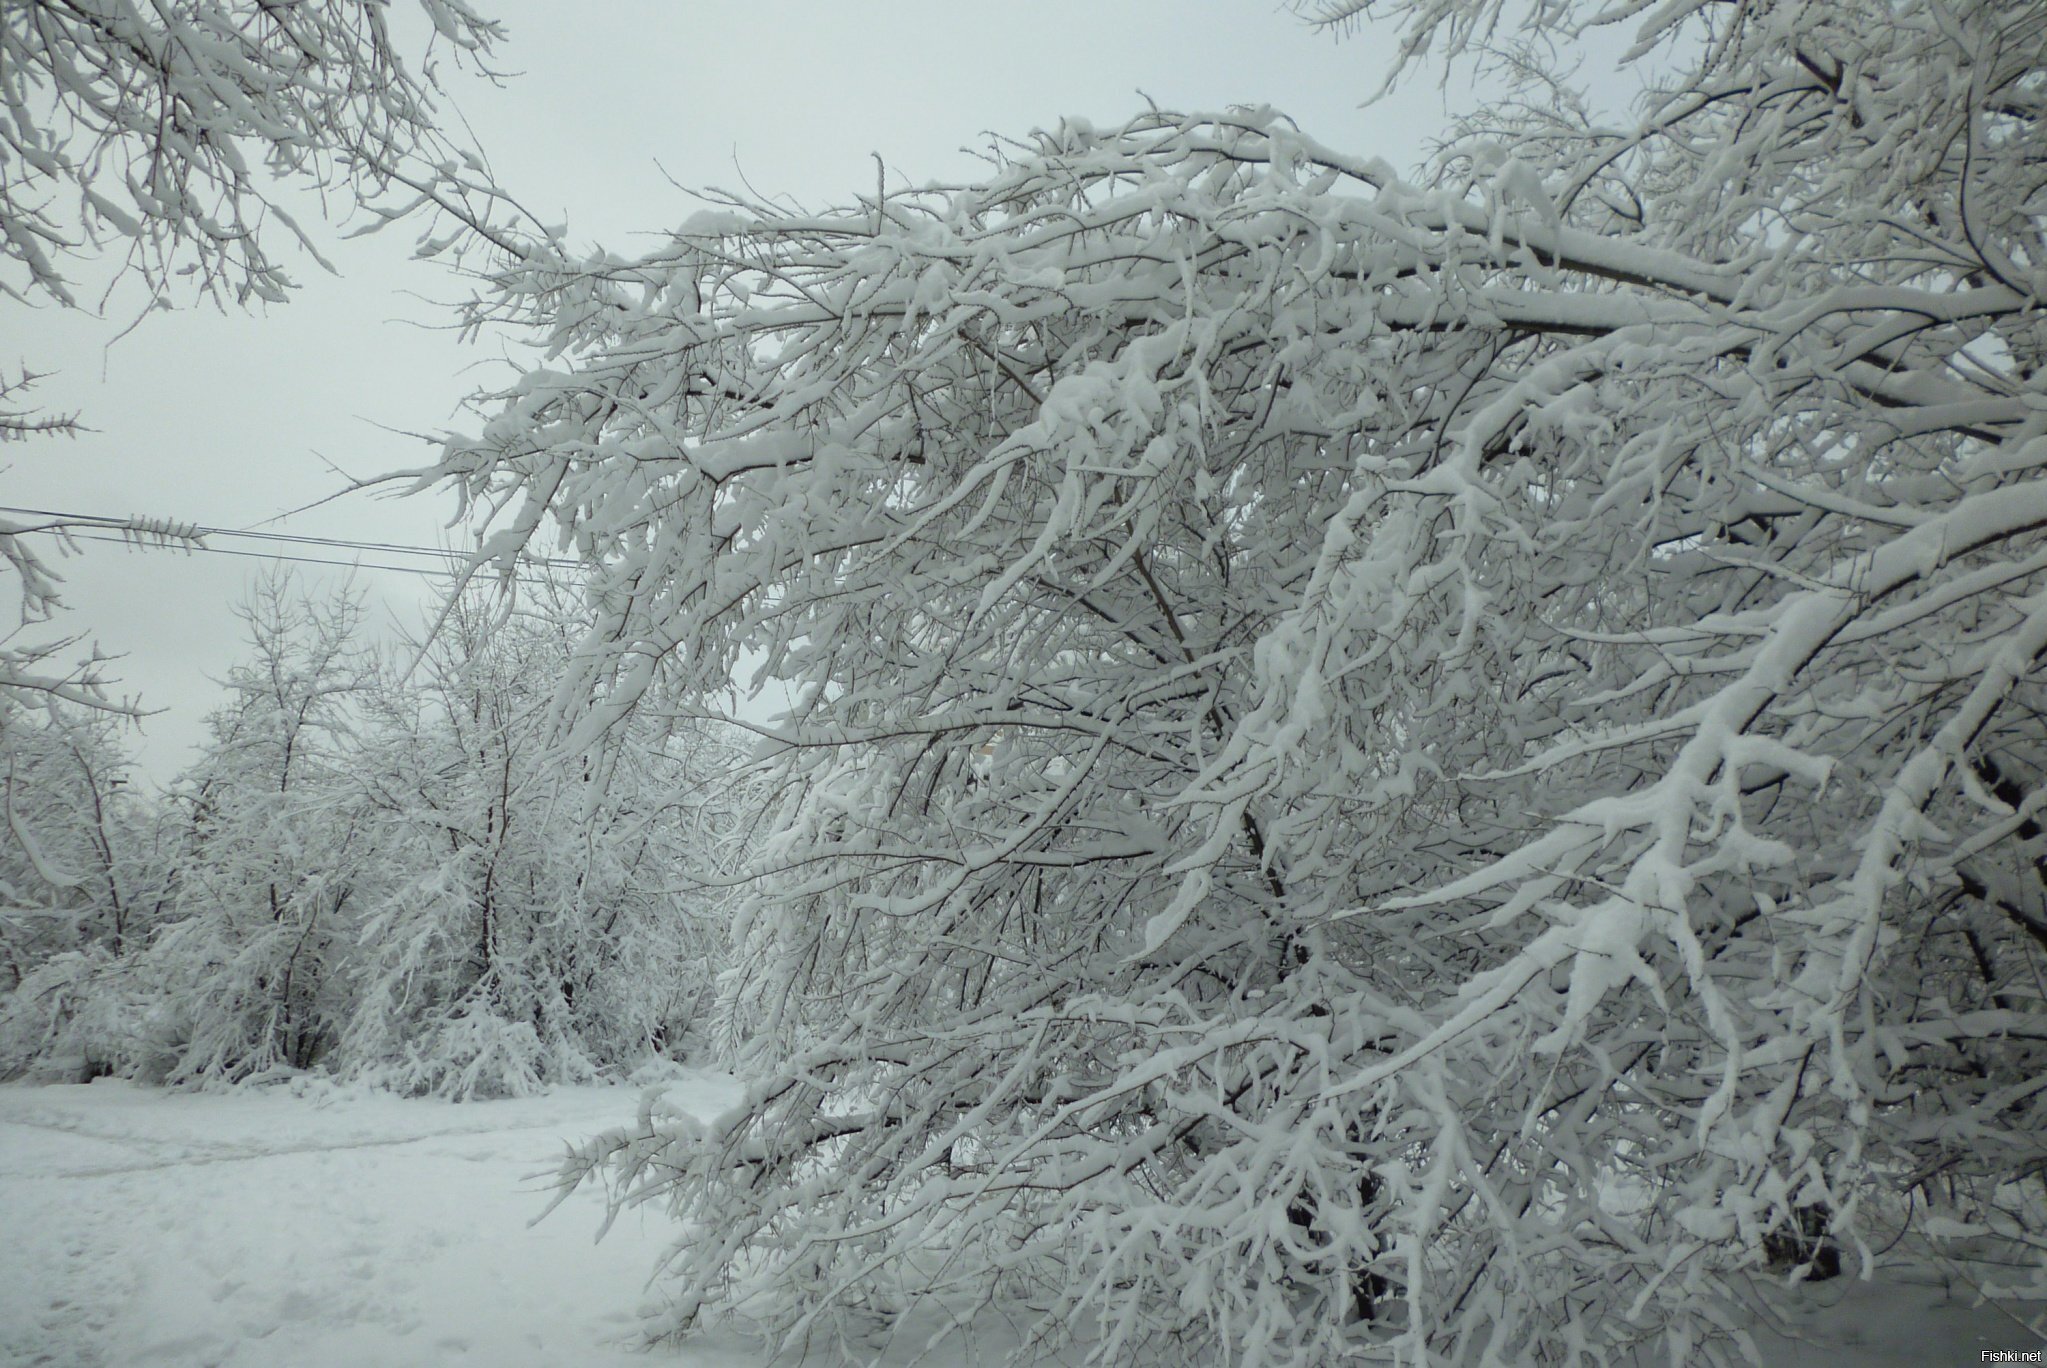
(228, 420)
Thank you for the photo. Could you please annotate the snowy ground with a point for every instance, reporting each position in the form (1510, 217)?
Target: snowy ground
(263, 1230)
(344, 1230)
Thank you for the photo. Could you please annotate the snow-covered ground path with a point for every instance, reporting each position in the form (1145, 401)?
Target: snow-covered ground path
(141, 1229)
(266, 1230)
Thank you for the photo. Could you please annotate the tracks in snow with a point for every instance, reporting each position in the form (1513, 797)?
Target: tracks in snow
(181, 1152)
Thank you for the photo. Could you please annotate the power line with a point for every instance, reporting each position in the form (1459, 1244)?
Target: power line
(556, 563)
(341, 543)
(422, 571)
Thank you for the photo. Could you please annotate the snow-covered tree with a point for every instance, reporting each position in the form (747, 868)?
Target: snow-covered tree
(266, 906)
(77, 855)
(83, 882)
(1385, 767)
(542, 918)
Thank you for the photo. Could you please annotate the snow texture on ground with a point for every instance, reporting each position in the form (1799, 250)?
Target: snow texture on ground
(261, 1229)
(336, 1229)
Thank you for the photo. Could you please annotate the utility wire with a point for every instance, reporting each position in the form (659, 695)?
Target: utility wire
(340, 543)
(423, 572)
(556, 563)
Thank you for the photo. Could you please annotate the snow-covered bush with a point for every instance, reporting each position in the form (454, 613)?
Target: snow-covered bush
(471, 1051)
(84, 1014)
(1386, 768)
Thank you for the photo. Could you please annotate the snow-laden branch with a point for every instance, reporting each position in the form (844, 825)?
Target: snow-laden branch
(1344, 721)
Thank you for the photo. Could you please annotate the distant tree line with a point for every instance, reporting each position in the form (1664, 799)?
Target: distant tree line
(378, 868)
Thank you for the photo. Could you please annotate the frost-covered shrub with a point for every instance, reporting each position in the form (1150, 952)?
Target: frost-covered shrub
(78, 1016)
(251, 997)
(470, 1052)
